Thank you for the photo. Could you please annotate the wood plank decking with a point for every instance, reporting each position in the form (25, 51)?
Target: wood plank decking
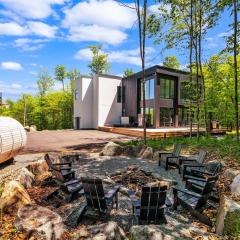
(158, 133)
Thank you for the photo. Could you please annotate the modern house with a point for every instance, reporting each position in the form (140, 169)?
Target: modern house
(104, 100)
(95, 101)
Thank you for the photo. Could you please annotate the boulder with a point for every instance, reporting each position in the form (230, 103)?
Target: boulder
(235, 185)
(228, 218)
(148, 232)
(112, 149)
(33, 218)
(13, 197)
(108, 231)
(148, 153)
(156, 156)
(25, 177)
(140, 149)
(40, 170)
(231, 173)
(130, 151)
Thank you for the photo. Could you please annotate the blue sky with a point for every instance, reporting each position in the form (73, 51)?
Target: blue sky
(36, 34)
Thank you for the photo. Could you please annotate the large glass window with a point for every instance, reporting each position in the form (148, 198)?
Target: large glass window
(166, 117)
(149, 116)
(167, 88)
(149, 89)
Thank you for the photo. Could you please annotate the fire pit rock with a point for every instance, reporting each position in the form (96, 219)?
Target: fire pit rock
(107, 231)
(14, 196)
(148, 153)
(40, 220)
(111, 149)
(25, 177)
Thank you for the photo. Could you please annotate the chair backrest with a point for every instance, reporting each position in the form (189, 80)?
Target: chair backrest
(201, 156)
(214, 167)
(177, 149)
(209, 185)
(94, 193)
(152, 202)
(49, 161)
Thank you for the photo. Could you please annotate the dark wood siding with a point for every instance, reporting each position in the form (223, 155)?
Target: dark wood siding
(130, 103)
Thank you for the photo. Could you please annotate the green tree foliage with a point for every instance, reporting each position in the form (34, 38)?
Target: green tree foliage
(44, 82)
(128, 72)
(72, 75)
(60, 74)
(99, 63)
(171, 62)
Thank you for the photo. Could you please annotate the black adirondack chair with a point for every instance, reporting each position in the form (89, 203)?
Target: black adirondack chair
(150, 209)
(201, 170)
(61, 171)
(175, 153)
(191, 200)
(178, 162)
(97, 200)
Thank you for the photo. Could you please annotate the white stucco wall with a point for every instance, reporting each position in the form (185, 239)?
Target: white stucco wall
(83, 105)
(109, 110)
(97, 101)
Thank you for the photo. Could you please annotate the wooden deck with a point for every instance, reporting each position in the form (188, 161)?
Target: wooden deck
(158, 133)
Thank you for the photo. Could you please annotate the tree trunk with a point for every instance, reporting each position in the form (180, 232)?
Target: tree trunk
(142, 39)
(201, 68)
(235, 65)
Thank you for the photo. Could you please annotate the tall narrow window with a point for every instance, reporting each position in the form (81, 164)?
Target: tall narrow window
(119, 94)
(76, 95)
(167, 88)
(149, 89)
(123, 94)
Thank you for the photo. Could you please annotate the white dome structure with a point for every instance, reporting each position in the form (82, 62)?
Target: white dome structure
(12, 138)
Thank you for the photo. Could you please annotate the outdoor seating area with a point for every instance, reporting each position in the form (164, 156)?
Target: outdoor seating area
(176, 192)
(151, 201)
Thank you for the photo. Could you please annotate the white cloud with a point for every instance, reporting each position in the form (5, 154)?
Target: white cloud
(211, 42)
(31, 9)
(225, 34)
(124, 56)
(27, 44)
(42, 29)
(30, 28)
(33, 73)
(16, 86)
(14, 66)
(97, 34)
(12, 29)
(97, 20)
(15, 90)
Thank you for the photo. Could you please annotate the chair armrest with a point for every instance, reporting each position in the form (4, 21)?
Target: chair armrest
(65, 168)
(112, 192)
(164, 153)
(176, 189)
(62, 164)
(202, 172)
(69, 173)
(71, 182)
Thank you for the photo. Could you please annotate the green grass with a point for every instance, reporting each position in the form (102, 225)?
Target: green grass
(226, 146)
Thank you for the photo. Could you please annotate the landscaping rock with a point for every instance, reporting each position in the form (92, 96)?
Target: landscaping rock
(140, 149)
(13, 197)
(156, 156)
(112, 149)
(108, 231)
(25, 177)
(228, 218)
(36, 219)
(235, 185)
(148, 153)
(40, 170)
(231, 173)
(148, 232)
(130, 151)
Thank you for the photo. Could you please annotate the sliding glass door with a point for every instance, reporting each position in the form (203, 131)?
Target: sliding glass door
(166, 117)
